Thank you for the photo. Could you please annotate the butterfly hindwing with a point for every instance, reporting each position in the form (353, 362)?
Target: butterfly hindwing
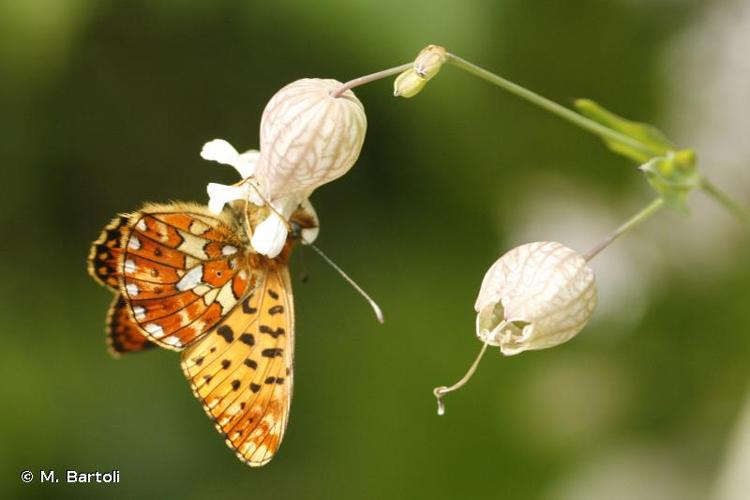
(242, 369)
(183, 269)
(123, 334)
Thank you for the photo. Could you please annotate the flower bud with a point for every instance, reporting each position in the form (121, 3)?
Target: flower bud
(537, 295)
(308, 137)
(408, 84)
(429, 61)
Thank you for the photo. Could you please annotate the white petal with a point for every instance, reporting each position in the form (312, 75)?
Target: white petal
(220, 151)
(219, 195)
(246, 163)
(269, 236)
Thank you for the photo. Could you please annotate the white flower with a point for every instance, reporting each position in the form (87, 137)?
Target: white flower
(221, 194)
(537, 295)
(308, 137)
(221, 151)
(270, 235)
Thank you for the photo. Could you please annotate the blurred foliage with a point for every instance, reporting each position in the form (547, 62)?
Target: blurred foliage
(106, 105)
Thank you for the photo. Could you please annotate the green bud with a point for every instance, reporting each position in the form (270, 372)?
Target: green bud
(408, 84)
(646, 134)
(429, 61)
(673, 176)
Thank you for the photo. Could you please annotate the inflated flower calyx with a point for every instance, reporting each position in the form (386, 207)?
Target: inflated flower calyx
(537, 295)
(308, 137)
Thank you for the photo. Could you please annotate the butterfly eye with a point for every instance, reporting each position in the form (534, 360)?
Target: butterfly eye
(295, 230)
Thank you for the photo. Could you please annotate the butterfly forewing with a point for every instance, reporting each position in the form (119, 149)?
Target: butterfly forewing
(242, 369)
(105, 253)
(183, 269)
(123, 334)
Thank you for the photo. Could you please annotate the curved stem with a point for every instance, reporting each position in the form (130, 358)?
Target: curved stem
(725, 200)
(370, 78)
(548, 105)
(439, 392)
(641, 216)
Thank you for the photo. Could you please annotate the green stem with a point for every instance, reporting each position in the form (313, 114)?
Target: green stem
(441, 391)
(724, 200)
(370, 78)
(641, 216)
(551, 106)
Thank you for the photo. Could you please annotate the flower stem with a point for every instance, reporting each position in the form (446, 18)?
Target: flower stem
(725, 200)
(548, 105)
(370, 78)
(439, 392)
(641, 216)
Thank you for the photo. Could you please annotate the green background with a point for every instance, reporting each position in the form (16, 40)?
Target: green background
(106, 105)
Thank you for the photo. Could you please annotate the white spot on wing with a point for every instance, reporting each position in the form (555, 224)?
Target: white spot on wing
(191, 279)
(129, 266)
(154, 329)
(141, 226)
(210, 296)
(197, 227)
(134, 243)
(192, 245)
(226, 298)
(132, 289)
(139, 312)
(174, 341)
(228, 250)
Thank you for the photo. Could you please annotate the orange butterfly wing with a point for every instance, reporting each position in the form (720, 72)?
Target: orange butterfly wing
(242, 369)
(123, 334)
(183, 269)
(184, 282)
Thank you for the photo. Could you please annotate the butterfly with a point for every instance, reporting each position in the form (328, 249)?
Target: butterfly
(188, 280)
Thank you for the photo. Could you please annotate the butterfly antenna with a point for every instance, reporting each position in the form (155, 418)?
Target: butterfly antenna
(263, 198)
(373, 304)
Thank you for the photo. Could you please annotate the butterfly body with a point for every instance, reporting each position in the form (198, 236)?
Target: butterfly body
(188, 280)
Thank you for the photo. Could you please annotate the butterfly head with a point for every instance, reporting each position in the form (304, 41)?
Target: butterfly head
(303, 225)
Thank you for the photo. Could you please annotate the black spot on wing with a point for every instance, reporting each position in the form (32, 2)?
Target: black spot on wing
(272, 352)
(246, 308)
(226, 332)
(273, 333)
(278, 309)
